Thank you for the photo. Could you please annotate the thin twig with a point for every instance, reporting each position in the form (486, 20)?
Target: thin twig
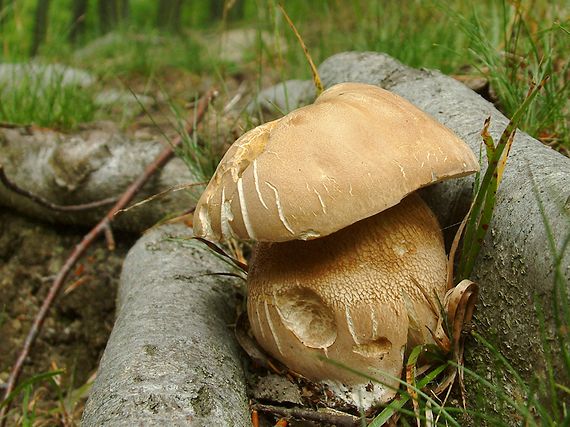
(178, 187)
(46, 203)
(316, 78)
(309, 415)
(109, 238)
(7, 125)
(236, 98)
(80, 249)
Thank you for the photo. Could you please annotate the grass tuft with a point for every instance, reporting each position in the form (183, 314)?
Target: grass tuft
(486, 188)
(44, 96)
(33, 392)
(527, 45)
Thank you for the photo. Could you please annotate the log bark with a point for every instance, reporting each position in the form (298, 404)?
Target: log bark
(168, 14)
(78, 18)
(40, 26)
(88, 166)
(515, 269)
(111, 13)
(172, 358)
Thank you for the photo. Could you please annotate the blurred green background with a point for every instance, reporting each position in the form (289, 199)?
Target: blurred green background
(508, 43)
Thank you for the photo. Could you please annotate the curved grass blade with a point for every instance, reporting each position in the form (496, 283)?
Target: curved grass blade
(397, 404)
(316, 78)
(215, 248)
(30, 381)
(484, 202)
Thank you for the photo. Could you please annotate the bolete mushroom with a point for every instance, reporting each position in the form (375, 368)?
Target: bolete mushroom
(346, 258)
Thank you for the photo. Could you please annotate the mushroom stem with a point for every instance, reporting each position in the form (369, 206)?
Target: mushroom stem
(358, 296)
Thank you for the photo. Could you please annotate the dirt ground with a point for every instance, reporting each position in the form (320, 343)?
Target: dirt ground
(76, 331)
(77, 328)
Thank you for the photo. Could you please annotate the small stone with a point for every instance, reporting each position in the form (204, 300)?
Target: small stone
(43, 75)
(238, 44)
(284, 97)
(276, 389)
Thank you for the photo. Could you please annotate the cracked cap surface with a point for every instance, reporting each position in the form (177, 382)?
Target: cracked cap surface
(356, 151)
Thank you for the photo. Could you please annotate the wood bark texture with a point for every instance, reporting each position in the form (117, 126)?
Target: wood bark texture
(92, 165)
(172, 358)
(78, 18)
(40, 26)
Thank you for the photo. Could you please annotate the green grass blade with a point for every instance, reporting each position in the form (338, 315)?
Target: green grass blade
(29, 382)
(485, 197)
(548, 356)
(398, 403)
(564, 388)
(27, 417)
(561, 299)
(501, 394)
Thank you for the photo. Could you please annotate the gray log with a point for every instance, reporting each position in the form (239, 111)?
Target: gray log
(172, 358)
(515, 268)
(88, 166)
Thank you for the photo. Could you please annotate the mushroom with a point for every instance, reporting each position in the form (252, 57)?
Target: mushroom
(348, 261)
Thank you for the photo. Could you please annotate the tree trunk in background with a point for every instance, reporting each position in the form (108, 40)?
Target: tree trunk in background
(106, 15)
(40, 25)
(124, 10)
(231, 10)
(78, 20)
(111, 12)
(168, 15)
(2, 16)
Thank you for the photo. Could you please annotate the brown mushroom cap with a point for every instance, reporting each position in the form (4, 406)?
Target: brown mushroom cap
(356, 151)
(358, 296)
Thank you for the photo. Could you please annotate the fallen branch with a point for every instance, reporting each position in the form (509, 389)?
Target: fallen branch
(46, 203)
(7, 125)
(98, 161)
(102, 227)
(171, 359)
(309, 415)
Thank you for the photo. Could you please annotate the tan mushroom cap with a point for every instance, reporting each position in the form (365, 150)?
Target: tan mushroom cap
(358, 296)
(356, 151)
